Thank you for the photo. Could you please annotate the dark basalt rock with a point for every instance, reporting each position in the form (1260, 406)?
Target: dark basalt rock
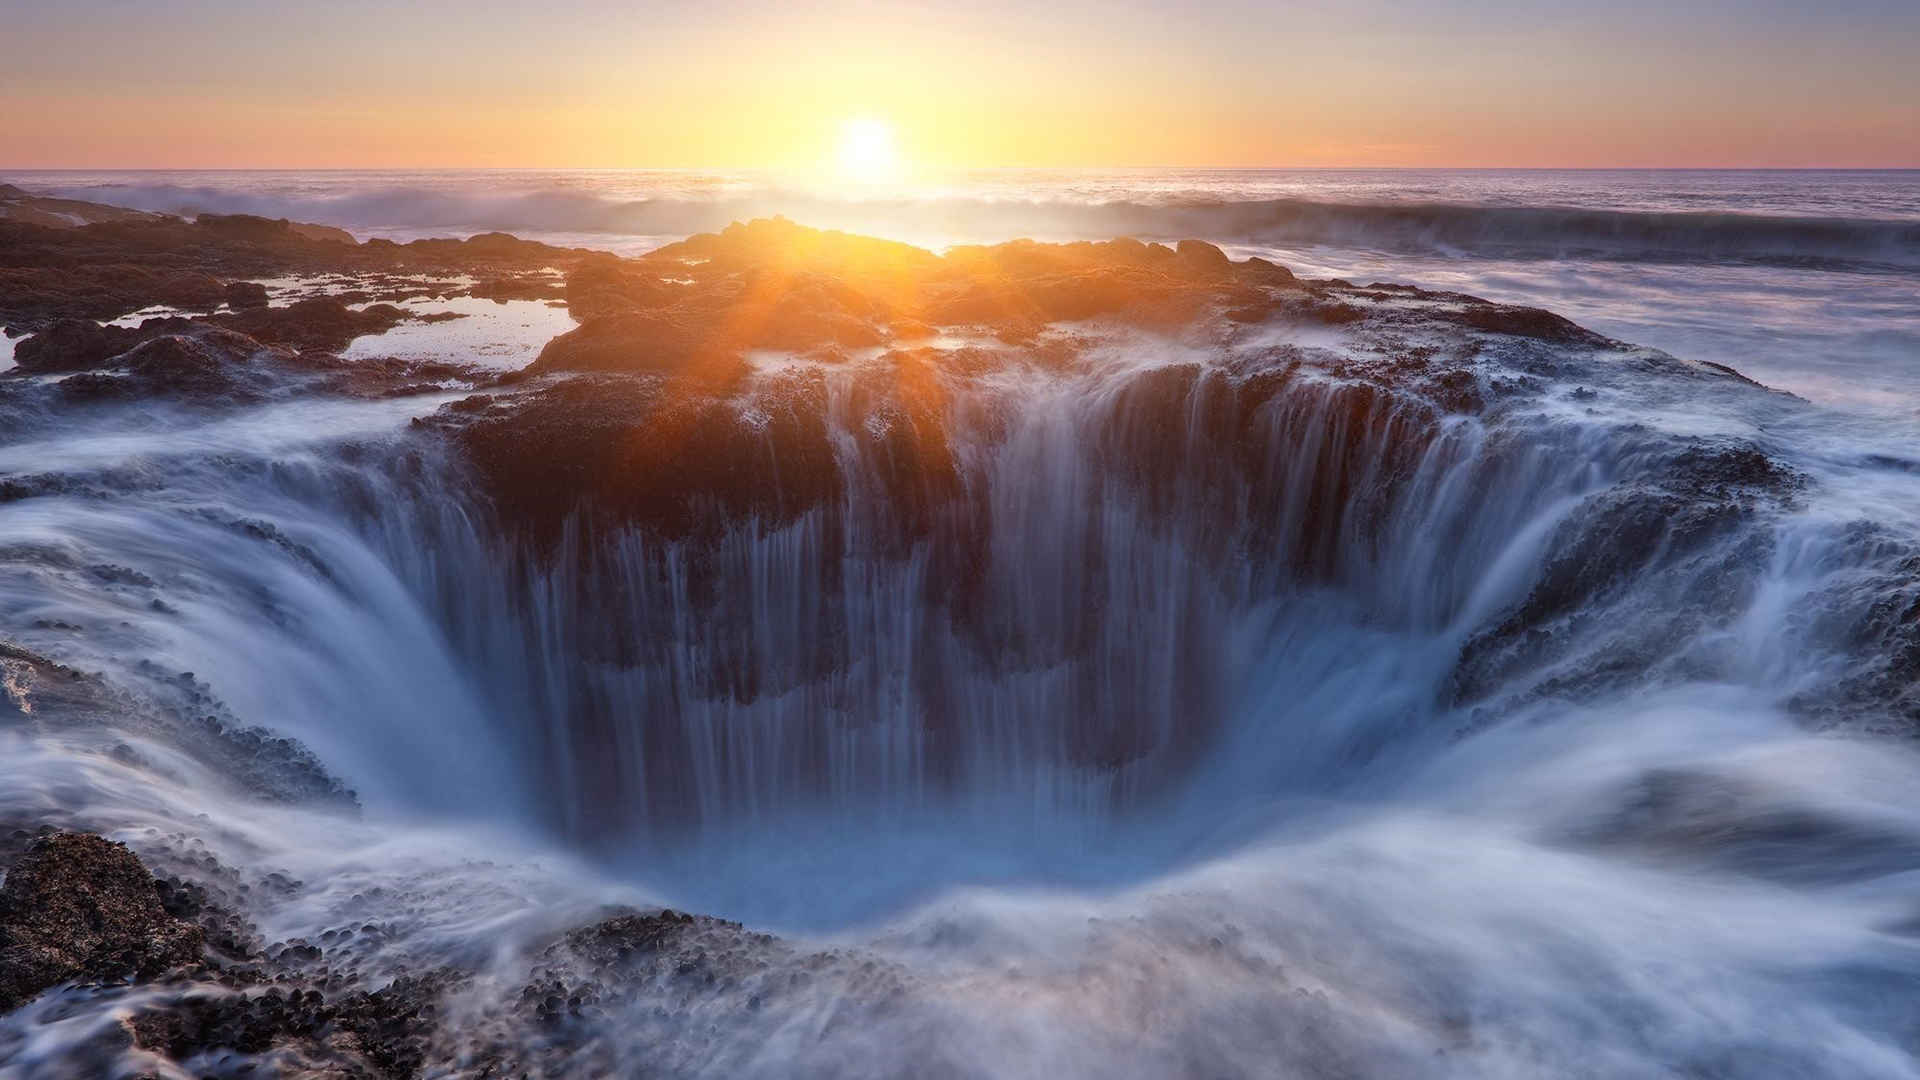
(384, 377)
(76, 906)
(388, 1033)
(209, 362)
(541, 287)
(175, 708)
(205, 365)
(555, 1024)
(28, 208)
(320, 323)
(576, 978)
(667, 453)
(677, 326)
(614, 286)
(1204, 258)
(242, 295)
(1888, 632)
(249, 229)
(103, 271)
(703, 303)
(614, 998)
(1527, 322)
(1723, 824)
(74, 345)
(1705, 499)
(643, 343)
(216, 997)
(1869, 614)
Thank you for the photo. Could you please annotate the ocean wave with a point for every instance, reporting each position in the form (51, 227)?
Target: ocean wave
(1507, 231)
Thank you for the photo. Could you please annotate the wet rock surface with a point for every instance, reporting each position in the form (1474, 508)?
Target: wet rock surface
(24, 207)
(208, 993)
(320, 323)
(228, 359)
(242, 295)
(671, 406)
(209, 996)
(175, 708)
(77, 345)
(204, 364)
(75, 906)
(1698, 522)
(128, 261)
(697, 307)
(1739, 827)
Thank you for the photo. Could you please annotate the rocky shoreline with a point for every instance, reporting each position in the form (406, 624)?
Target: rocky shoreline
(835, 391)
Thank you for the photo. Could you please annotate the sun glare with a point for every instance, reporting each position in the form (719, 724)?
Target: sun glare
(867, 153)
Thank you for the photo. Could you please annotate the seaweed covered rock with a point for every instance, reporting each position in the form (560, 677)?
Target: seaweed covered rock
(78, 906)
(204, 992)
(303, 1032)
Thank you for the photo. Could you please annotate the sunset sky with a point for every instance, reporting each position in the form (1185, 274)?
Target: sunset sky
(226, 83)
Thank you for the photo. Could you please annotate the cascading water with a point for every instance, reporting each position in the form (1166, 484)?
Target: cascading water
(1083, 624)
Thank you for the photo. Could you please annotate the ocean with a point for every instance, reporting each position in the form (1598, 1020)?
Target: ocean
(1566, 731)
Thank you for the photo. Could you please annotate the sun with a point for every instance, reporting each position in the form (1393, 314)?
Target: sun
(867, 152)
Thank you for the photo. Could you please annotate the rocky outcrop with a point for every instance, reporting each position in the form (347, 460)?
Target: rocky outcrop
(30, 209)
(172, 707)
(389, 1033)
(76, 345)
(525, 287)
(703, 304)
(1705, 820)
(267, 232)
(229, 358)
(671, 410)
(164, 357)
(124, 264)
(242, 295)
(76, 906)
(205, 365)
(319, 323)
(1869, 613)
(1696, 523)
(668, 453)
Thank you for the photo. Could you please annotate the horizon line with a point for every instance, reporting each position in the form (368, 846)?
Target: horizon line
(767, 169)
